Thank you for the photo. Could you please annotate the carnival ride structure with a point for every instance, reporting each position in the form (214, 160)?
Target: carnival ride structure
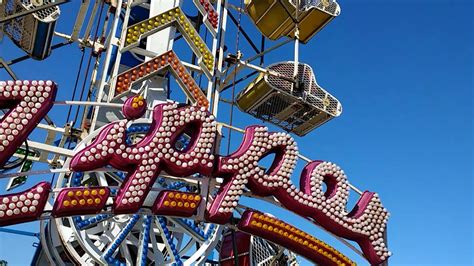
(141, 175)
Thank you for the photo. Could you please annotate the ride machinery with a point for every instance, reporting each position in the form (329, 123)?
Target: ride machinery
(137, 165)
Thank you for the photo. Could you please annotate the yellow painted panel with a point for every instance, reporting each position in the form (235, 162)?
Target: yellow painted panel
(274, 19)
(253, 93)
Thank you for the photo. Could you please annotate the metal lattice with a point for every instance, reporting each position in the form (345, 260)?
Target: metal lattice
(297, 109)
(45, 15)
(24, 30)
(262, 253)
(308, 89)
(330, 6)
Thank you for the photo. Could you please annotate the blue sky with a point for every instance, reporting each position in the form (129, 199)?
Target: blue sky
(403, 71)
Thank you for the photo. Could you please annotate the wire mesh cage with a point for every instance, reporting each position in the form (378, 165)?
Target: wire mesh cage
(277, 18)
(253, 251)
(33, 32)
(298, 109)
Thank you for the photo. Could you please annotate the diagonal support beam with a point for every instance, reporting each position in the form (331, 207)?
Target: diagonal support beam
(8, 69)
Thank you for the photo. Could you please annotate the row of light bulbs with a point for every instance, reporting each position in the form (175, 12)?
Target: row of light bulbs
(287, 235)
(175, 15)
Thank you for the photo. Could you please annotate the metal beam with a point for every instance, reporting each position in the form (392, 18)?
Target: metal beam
(25, 57)
(80, 20)
(51, 149)
(239, 80)
(8, 69)
(266, 51)
(246, 36)
(18, 232)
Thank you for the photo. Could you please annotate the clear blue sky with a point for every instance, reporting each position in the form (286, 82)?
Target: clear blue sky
(403, 71)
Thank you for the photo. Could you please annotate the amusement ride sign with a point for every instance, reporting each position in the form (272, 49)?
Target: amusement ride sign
(156, 152)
